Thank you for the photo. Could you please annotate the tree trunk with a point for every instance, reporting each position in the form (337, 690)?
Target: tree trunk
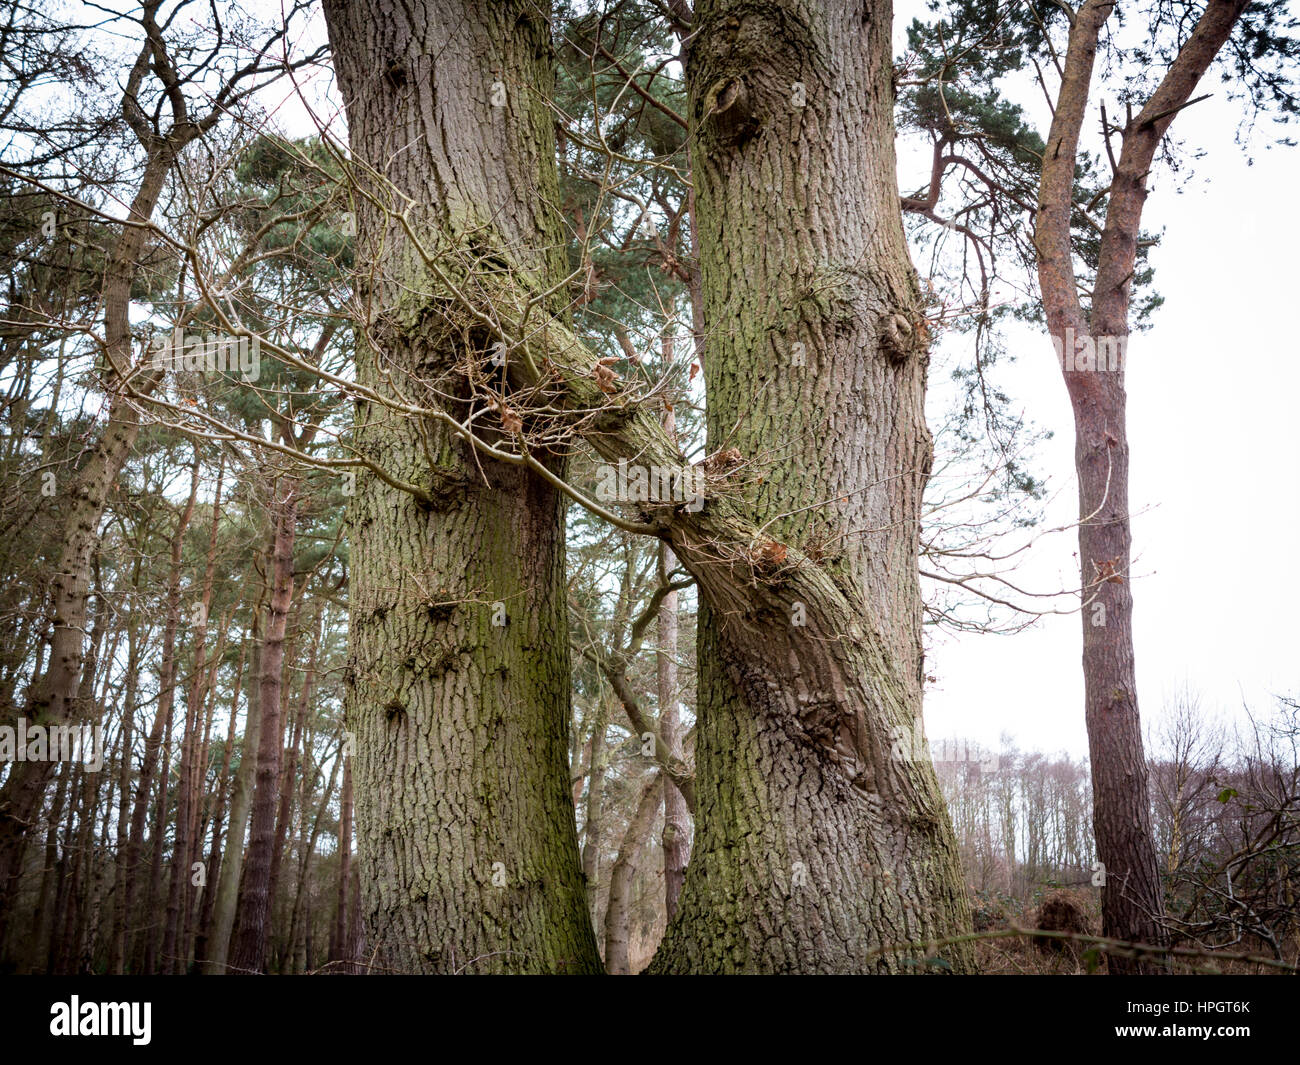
(117, 947)
(42, 943)
(595, 809)
(59, 924)
(676, 838)
(1132, 899)
(459, 673)
(154, 740)
(676, 844)
(618, 912)
(306, 851)
(290, 771)
(190, 916)
(151, 929)
(216, 861)
(248, 953)
(52, 702)
(339, 939)
(226, 900)
(823, 844)
(818, 841)
(175, 948)
(355, 947)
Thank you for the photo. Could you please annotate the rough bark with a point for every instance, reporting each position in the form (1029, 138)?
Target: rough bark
(801, 239)
(815, 844)
(464, 817)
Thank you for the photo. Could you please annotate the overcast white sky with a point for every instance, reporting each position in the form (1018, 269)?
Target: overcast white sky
(1215, 440)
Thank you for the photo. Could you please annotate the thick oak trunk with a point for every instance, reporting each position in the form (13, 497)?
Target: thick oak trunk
(459, 669)
(823, 842)
(819, 843)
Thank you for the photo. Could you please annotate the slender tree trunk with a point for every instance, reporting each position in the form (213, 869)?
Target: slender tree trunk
(152, 927)
(676, 838)
(341, 941)
(618, 912)
(216, 861)
(47, 918)
(226, 900)
(42, 943)
(676, 844)
(174, 958)
(52, 701)
(355, 948)
(459, 666)
(581, 757)
(92, 937)
(248, 954)
(1132, 899)
(59, 931)
(161, 722)
(290, 772)
(117, 948)
(594, 814)
(1131, 902)
(198, 812)
(78, 957)
(307, 851)
(178, 881)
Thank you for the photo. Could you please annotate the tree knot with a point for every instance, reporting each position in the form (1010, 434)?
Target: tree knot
(899, 338)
